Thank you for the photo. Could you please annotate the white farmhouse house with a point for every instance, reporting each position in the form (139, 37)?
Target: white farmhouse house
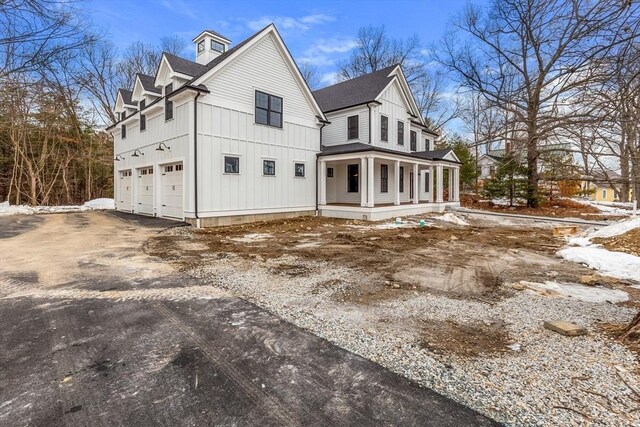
(237, 136)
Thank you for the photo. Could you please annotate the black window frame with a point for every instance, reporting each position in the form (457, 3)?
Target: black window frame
(384, 178)
(235, 170)
(353, 129)
(123, 131)
(168, 104)
(353, 180)
(384, 128)
(264, 167)
(401, 179)
(295, 169)
(143, 117)
(217, 42)
(201, 45)
(268, 110)
(413, 140)
(329, 172)
(427, 179)
(427, 144)
(400, 132)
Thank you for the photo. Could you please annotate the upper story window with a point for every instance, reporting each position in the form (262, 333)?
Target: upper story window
(217, 46)
(168, 105)
(269, 167)
(400, 133)
(123, 115)
(143, 117)
(427, 144)
(413, 140)
(384, 128)
(201, 46)
(268, 109)
(352, 127)
(123, 131)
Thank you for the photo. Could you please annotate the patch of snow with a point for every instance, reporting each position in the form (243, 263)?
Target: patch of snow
(616, 229)
(253, 237)
(391, 225)
(514, 347)
(449, 217)
(7, 209)
(615, 264)
(609, 208)
(595, 294)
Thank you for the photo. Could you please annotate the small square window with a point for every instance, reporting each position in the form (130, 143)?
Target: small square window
(231, 164)
(168, 168)
(217, 46)
(329, 172)
(269, 167)
(201, 46)
(299, 169)
(179, 167)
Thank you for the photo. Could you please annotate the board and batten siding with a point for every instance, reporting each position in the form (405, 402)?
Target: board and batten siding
(226, 126)
(336, 132)
(393, 106)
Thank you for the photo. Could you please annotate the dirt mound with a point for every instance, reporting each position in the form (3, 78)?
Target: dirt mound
(628, 242)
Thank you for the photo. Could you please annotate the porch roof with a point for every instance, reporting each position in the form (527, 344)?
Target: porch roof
(358, 147)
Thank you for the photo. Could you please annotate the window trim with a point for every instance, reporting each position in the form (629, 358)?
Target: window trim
(384, 130)
(268, 109)
(143, 117)
(357, 127)
(201, 45)
(384, 178)
(427, 181)
(295, 169)
(401, 179)
(224, 164)
(400, 132)
(168, 104)
(413, 140)
(357, 176)
(274, 167)
(123, 131)
(216, 50)
(427, 144)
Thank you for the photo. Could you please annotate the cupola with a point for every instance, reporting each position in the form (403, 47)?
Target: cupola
(209, 45)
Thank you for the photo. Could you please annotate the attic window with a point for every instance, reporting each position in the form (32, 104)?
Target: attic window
(217, 46)
(168, 105)
(201, 46)
(123, 131)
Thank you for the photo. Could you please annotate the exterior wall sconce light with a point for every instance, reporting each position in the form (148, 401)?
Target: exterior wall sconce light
(137, 153)
(162, 146)
(118, 158)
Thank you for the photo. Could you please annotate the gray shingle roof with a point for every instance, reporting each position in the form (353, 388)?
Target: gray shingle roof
(215, 33)
(183, 66)
(148, 83)
(126, 96)
(356, 91)
(358, 147)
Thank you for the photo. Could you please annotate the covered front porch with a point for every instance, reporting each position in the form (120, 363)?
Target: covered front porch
(376, 186)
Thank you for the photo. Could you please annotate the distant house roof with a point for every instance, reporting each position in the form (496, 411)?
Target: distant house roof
(126, 96)
(358, 147)
(148, 83)
(183, 66)
(356, 91)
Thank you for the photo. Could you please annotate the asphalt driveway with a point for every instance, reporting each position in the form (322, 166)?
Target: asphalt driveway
(95, 332)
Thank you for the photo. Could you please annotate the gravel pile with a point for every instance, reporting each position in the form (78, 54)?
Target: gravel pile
(542, 379)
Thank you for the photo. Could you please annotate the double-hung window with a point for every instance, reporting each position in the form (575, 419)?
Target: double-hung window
(143, 117)
(352, 127)
(269, 167)
(352, 179)
(123, 131)
(384, 128)
(384, 178)
(268, 109)
(231, 164)
(413, 140)
(400, 133)
(168, 105)
(427, 144)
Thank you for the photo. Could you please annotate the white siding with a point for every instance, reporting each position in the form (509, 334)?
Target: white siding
(394, 107)
(335, 133)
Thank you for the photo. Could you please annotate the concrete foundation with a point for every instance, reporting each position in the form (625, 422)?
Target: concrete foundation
(220, 221)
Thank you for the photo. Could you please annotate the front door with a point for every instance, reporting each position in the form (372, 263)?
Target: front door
(411, 189)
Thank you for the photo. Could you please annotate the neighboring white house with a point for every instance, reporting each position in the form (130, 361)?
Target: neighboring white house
(237, 136)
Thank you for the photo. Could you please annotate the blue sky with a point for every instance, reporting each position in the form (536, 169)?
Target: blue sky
(322, 32)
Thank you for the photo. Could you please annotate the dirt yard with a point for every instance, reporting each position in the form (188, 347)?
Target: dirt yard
(456, 305)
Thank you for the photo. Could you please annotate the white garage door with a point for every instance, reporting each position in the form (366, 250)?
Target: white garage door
(125, 191)
(145, 190)
(171, 197)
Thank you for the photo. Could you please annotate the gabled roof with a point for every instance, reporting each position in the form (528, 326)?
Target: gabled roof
(215, 33)
(356, 91)
(126, 96)
(183, 66)
(359, 147)
(148, 83)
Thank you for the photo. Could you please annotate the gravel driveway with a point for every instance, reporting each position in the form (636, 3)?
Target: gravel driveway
(96, 332)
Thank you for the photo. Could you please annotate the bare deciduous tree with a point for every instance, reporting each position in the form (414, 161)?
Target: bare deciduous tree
(310, 74)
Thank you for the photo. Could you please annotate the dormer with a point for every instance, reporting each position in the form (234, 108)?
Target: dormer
(124, 105)
(209, 45)
(144, 89)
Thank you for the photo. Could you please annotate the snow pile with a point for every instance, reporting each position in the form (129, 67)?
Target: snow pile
(7, 209)
(449, 217)
(615, 264)
(596, 294)
(609, 208)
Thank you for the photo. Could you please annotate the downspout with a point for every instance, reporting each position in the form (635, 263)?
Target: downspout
(318, 170)
(195, 157)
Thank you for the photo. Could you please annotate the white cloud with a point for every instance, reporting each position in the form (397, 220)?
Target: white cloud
(328, 79)
(290, 23)
(322, 51)
(179, 6)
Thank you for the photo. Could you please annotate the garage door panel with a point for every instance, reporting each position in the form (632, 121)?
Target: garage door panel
(125, 191)
(172, 194)
(145, 190)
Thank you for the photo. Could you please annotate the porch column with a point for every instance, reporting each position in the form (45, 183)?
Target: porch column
(439, 184)
(396, 185)
(430, 187)
(416, 182)
(370, 182)
(323, 182)
(363, 181)
(456, 185)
